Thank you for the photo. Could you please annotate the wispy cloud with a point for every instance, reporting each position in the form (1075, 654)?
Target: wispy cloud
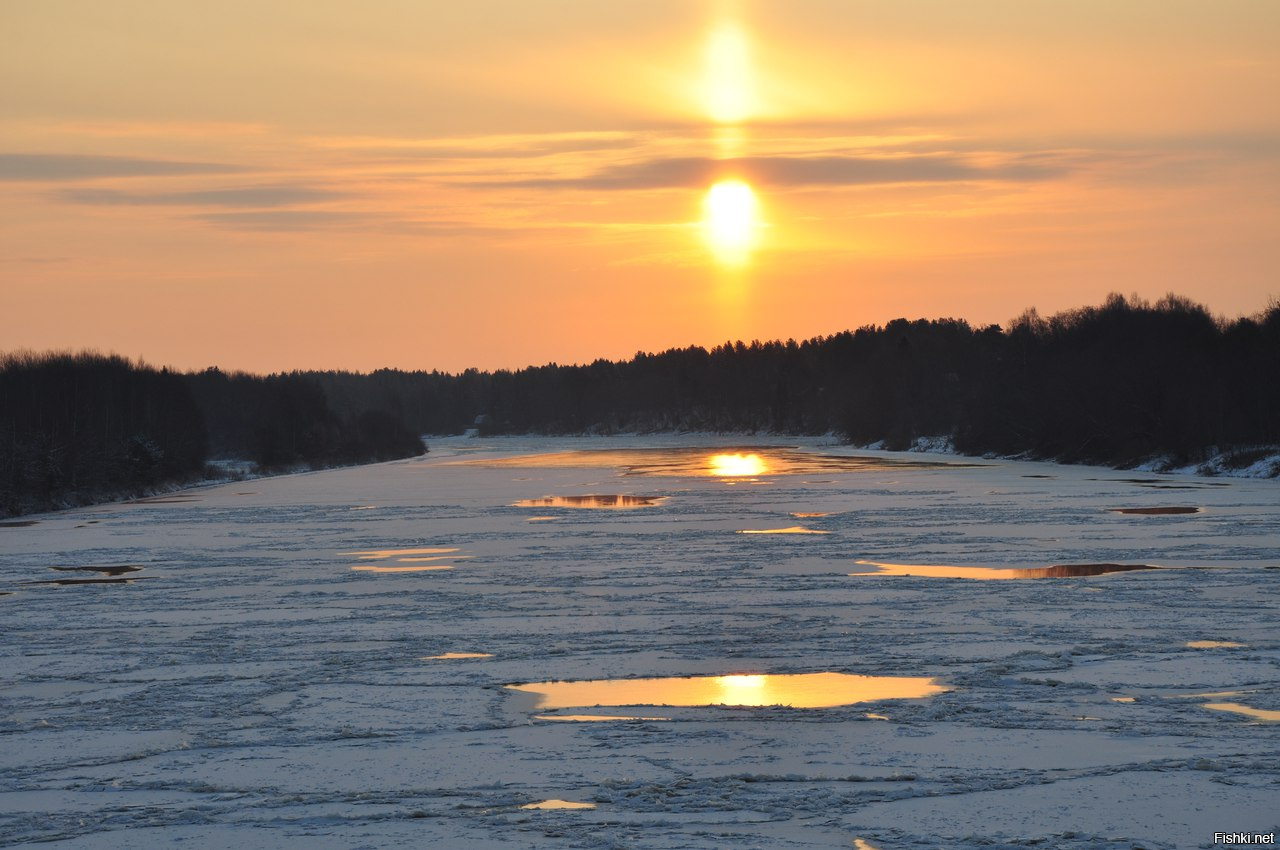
(246, 196)
(48, 166)
(292, 220)
(797, 171)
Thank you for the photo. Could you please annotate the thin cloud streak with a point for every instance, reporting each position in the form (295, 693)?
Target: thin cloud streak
(38, 166)
(248, 196)
(783, 172)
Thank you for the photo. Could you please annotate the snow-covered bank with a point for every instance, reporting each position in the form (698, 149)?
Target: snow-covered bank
(251, 689)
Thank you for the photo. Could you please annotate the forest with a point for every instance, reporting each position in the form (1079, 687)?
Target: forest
(1114, 384)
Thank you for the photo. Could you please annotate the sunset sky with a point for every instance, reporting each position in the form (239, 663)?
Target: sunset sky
(498, 183)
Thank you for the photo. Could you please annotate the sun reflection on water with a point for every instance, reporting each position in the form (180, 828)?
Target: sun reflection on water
(736, 465)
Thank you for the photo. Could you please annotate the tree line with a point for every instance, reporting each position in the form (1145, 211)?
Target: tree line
(80, 428)
(1115, 384)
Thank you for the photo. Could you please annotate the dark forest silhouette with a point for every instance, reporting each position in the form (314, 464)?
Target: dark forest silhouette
(1113, 384)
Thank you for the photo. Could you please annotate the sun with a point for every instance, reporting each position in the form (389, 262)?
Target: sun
(731, 221)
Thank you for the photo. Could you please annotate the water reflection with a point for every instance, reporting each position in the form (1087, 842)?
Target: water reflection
(736, 465)
(106, 570)
(454, 656)
(800, 690)
(697, 462)
(383, 554)
(592, 501)
(795, 529)
(558, 804)
(1163, 511)
(1213, 644)
(424, 568)
(592, 718)
(1267, 715)
(997, 573)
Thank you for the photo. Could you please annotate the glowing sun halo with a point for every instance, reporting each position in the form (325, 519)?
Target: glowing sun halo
(731, 221)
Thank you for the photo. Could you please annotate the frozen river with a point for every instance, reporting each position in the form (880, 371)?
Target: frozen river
(327, 660)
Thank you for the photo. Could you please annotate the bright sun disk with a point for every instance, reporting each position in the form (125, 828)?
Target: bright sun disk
(731, 221)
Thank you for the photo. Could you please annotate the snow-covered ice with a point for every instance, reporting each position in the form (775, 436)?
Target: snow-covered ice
(322, 660)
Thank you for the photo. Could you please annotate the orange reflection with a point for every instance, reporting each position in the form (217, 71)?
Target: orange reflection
(558, 804)
(1266, 715)
(994, 573)
(593, 501)
(737, 464)
(801, 690)
(370, 568)
(382, 554)
(795, 529)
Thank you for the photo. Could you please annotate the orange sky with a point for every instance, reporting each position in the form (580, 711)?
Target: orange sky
(433, 185)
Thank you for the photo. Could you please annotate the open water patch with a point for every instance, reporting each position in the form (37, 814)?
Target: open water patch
(105, 569)
(606, 502)
(723, 462)
(794, 690)
(1168, 510)
(794, 529)
(411, 560)
(1265, 715)
(594, 718)
(558, 804)
(999, 573)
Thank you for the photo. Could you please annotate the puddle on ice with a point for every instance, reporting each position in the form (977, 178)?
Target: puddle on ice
(558, 804)
(871, 716)
(736, 465)
(164, 500)
(725, 462)
(421, 568)
(1163, 511)
(592, 501)
(106, 570)
(795, 529)
(1266, 715)
(592, 718)
(1124, 699)
(808, 514)
(421, 560)
(114, 571)
(1213, 644)
(19, 523)
(541, 519)
(800, 690)
(988, 573)
(383, 554)
(453, 656)
(73, 581)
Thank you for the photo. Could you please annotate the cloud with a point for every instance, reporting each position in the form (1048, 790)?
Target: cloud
(795, 171)
(247, 196)
(289, 220)
(50, 166)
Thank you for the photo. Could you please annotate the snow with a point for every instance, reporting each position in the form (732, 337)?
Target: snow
(256, 691)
